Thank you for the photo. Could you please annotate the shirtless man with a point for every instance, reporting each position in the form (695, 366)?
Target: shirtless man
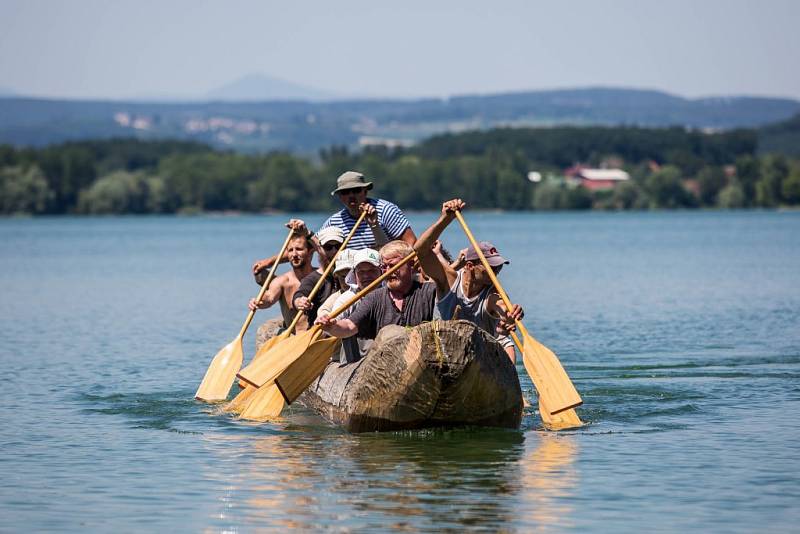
(282, 288)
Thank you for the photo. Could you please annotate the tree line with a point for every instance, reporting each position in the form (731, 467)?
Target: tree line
(670, 168)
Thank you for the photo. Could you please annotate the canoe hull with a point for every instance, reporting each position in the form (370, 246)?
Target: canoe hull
(438, 374)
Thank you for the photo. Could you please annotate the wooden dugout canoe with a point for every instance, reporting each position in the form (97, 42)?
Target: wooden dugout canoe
(438, 374)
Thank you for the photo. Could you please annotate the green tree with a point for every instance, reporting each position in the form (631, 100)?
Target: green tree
(731, 196)
(117, 193)
(548, 196)
(512, 189)
(282, 184)
(710, 180)
(68, 170)
(748, 172)
(791, 186)
(629, 195)
(665, 189)
(23, 190)
(157, 199)
(774, 169)
(577, 198)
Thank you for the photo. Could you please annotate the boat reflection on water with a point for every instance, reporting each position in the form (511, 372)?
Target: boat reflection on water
(550, 480)
(310, 477)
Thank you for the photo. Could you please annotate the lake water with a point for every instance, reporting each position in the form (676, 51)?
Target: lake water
(680, 330)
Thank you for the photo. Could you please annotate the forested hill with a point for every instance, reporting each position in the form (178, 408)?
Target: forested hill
(306, 127)
(506, 168)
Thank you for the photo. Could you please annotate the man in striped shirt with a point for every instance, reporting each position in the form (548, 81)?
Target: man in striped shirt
(384, 221)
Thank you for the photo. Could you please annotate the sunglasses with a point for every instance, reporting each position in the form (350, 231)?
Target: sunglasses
(346, 192)
(331, 246)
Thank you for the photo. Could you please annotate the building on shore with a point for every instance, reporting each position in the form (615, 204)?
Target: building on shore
(595, 179)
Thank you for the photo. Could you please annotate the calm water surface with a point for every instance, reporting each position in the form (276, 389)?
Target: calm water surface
(681, 331)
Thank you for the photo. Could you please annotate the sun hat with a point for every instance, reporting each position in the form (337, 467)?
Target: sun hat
(350, 180)
(345, 260)
(331, 233)
(490, 251)
(364, 255)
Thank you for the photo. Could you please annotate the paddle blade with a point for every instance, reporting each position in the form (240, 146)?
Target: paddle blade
(274, 361)
(268, 344)
(560, 421)
(551, 380)
(265, 403)
(305, 369)
(262, 350)
(240, 401)
(220, 374)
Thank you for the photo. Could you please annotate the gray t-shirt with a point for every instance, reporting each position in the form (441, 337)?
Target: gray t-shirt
(378, 310)
(470, 309)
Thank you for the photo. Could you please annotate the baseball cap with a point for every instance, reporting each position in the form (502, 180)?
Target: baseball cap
(344, 261)
(331, 233)
(490, 251)
(365, 255)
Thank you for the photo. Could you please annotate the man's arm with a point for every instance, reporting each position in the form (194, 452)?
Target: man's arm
(409, 236)
(441, 275)
(372, 221)
(342, 328)
(266, 263)
(328, 306)
(306, 285)
(271, 295)
(506, 323)
(395, 224)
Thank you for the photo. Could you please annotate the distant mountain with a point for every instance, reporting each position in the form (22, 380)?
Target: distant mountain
(260, 88)
(303, 125)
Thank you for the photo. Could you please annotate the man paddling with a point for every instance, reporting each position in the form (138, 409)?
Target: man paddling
(469, 292)
(402, 301)
(385, 221)
(282, 288)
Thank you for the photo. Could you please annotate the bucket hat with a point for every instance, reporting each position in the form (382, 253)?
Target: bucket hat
(351, 180)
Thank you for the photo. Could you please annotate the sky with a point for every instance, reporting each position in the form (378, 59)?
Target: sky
(174, 48)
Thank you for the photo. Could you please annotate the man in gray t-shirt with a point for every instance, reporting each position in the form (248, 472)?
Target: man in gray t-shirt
(469, 291)
(402, 300)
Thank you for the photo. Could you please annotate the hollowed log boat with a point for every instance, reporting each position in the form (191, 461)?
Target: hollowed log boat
(437, 374)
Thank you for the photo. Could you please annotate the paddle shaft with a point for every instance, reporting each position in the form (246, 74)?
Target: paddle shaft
(327, 271)
(266, 283)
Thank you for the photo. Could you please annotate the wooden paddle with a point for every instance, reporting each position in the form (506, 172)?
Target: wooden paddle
(306, 366)
(548, 375)
(255, 372)
(219, 376)
(560, 421)
(259, 402)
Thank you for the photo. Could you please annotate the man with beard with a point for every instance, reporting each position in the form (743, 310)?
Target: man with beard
(282, 288)
(402, 301)
(384, 220)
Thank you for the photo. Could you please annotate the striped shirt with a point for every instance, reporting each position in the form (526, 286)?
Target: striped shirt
(390, 218)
